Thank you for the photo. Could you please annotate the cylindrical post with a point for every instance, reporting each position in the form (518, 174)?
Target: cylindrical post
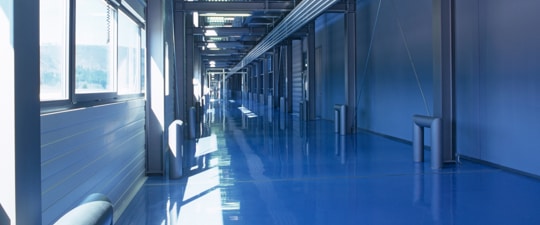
(436, 144)
(301, 110)
(176, 146)
(342, 120)
(192, 122)
(305, 110)
(418, 143)
(336, 120)
(282, 104)
(96, 209)
(270, 108)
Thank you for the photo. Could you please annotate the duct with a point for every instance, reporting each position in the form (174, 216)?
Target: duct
(306, 11)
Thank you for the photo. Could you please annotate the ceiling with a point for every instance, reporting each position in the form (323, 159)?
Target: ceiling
(228, 30)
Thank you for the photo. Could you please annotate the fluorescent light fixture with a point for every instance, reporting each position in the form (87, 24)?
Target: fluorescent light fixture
(210, 33)
(225, 14)
(212, 62)
(211, 45)
(196, 19)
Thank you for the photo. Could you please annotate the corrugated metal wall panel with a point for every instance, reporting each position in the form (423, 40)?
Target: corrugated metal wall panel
(96, 149)
(296, 75)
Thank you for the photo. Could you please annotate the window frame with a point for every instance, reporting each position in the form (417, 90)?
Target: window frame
(77, 100)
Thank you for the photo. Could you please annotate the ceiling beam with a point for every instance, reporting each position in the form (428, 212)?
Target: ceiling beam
(222, 58)
(230, 44)
(181, 5)
(268, 6)
(226, 52)
(228, 31)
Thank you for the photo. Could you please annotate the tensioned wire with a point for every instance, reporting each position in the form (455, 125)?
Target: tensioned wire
(410, 58)
(370, 48)
(367, 62)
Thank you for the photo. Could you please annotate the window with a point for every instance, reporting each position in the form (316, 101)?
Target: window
(108, 57)
(95, 47)
(129, 67)
(54, 42)
(143, 61)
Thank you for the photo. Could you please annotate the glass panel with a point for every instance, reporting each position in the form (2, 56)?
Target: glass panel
(95, 48)
(129, 81)
(143, 61)
(53, 49)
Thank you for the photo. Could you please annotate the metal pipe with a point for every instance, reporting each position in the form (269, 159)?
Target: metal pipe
(298, 17)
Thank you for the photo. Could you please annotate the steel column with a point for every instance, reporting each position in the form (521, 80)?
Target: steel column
(265, 80)
(311, 101)
(257, 81)
(289, 73)
(350, 67)
(443, 73)
(179, 46)
(190, 69)
(155, 93)
(280, 71)
(21, 150)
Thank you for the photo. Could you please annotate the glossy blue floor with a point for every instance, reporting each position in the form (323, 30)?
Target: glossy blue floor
(257, 167)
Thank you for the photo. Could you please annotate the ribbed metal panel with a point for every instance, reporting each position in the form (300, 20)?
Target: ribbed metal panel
(98, 149)
(296, 75)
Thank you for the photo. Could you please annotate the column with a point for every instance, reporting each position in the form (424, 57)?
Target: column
(311, 97)
(350, 67)
(443, 74)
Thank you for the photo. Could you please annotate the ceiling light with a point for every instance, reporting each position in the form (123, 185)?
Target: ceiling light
(196, 19)
(211, 45)
(225, 14)
(210, 33)
(212, 62)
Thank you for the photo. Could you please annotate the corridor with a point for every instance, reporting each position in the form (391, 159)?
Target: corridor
(253, 166)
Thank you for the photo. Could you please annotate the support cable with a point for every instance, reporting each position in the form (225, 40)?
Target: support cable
(411, 59)
(370, 48)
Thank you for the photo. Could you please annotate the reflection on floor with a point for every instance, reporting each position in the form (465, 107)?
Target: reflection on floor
(255, 166)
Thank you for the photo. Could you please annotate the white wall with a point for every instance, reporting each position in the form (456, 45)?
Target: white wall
(7, 155)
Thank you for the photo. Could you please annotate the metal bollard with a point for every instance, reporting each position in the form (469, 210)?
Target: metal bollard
(339, 119)
(270, 102)
(176, 147)
(192, 122)
(282, 104)
(436, 139)
(336, 118)
(301, 110)
(95, 209)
